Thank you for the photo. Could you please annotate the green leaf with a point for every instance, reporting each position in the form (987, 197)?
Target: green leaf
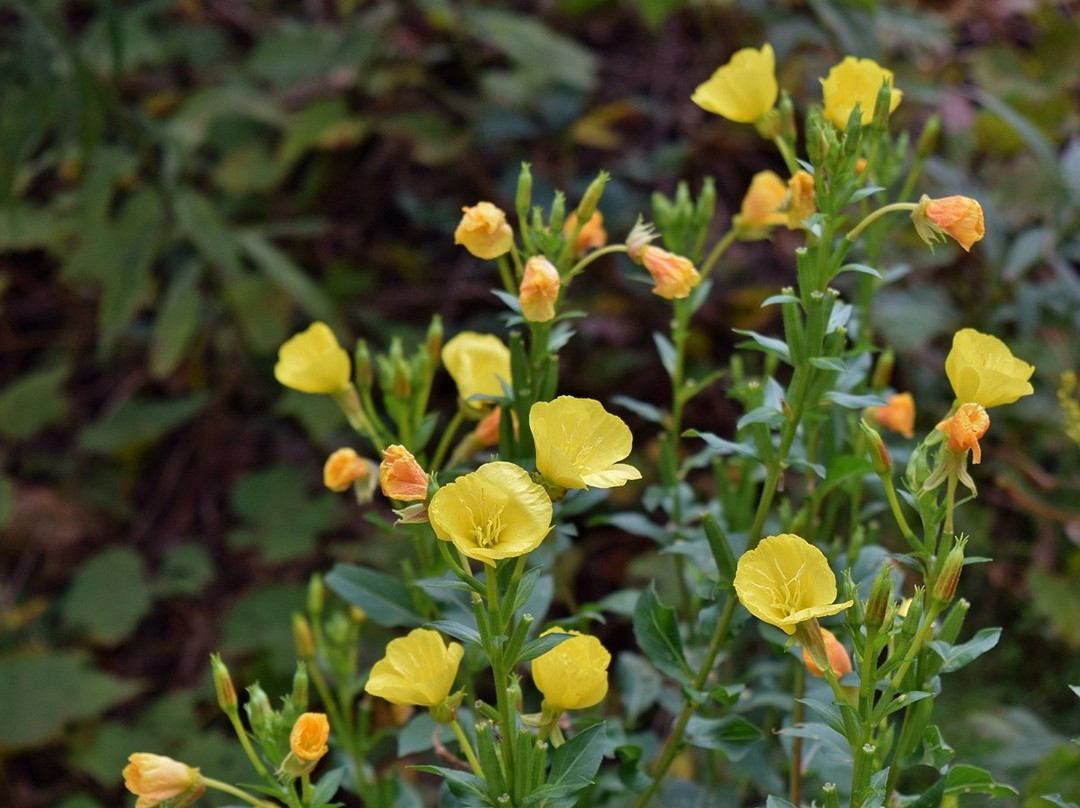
(385, 600)
(732, 735)
(656, 629)
(327, 787)
(139, 422)
(108, 596)
(1059, 801)
(854, 402)
(957, 656)
(33, 401)
(416, 736)
(640, 685)
(770, 345)
(540, 646)
(177, 322)
(459, 631)
(185, 570)
(575, 763)
(963, 779)
(283, 520)
(641, 409)
(828, 363)
(668, 354)
(42, 694)
(862, 268)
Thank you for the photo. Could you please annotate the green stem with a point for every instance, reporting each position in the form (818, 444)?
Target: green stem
(505, 276)
(245, 742)
(305, 789)
(500, 675)
(218, 785)
(799, 689)
(950, 502)
(717, 251)
(789, 158)
(894, 504)
(466, 748)
(588, 259)
(331, 705)
(445, 440)
(909, 657)
(877, 214)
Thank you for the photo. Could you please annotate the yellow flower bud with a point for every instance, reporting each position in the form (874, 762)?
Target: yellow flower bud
(785, 581)
(964, 428)
(592, 235)
(744, 89)
(855, 81)
(418, 669)
(344, 467)
(982, 369)
(313, 362)
(572, 675)
(673, 275)
(494, 512)
(761, 207)
(839, 659)
(479, 365)
(401, 477)
(484, 231)
(156, 778)
(801, 204)
(539, 290)
(898, 414)
(309, 736)
(960, 217)
(579, 444)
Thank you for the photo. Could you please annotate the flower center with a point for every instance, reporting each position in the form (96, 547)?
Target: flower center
(487, 532)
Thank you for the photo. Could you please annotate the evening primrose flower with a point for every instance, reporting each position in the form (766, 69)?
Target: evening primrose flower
(855, 81)
(479, 365)
(960, 217)
(982, 369)
(418, 669)
(579, 444)
(572, 675)
(964, 428)
(785, 581)
(156, 778)
(343, 468)
(743, 90)
(801, 203)
(484, 231)
(494, 512)
(313, 362)
(591, 236)
(539, 290)
(307, 744)
(898, 414)
(839, 658)
(761, 206)
(673, 275)
(401, 477)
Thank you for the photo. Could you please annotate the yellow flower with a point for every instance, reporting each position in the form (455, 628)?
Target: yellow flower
(539, 290)
(494, 512)
(964, 428)
(855, 81)
(960, 217)
(839, 658)
(401, 477)
(417, 669)
(801, 204)
(313, 362)
(307, 741)
(673, 275)
(572, 675)
(744, 89)
(156, 778)
(477, 363)
(343, 468)
(484, 231)
(761, 207)
(982, 369)
(785, 581)
(898, 414)
(579, 444)
(592, 234)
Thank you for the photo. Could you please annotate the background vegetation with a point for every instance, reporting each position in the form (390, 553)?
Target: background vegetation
(184, 183)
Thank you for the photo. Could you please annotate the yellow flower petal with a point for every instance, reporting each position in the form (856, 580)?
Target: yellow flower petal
(572, 675)
(982, 370)
(494, 512)
(744, 89)
(313, 362)
(477, 362)
(855, 81)
(579, 443)
(418, 669)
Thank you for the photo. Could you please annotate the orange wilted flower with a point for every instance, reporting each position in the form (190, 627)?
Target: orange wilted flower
(960, 217)
(964, 428)
(401, 476)
(898, 414)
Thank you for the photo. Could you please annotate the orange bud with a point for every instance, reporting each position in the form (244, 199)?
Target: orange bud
(964, 428)
(898, 415)
(487, 431)
(343, 468)
(801, 205)
(401, 477)
(539, 290)
(591, 236)
(308, 737)
(839, 659)
(484, 231)
(673, 275)
(958, 216)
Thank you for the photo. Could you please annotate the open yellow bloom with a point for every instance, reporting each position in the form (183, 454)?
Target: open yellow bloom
(156, 778)
(572, 675)
(477, 362)
(484, 231)
(785, 581)
(761, 207)
(313, 361)
(982, 369)
(898, 414)
(744, 89)
(855, 81)
(960, 217)
(579, 444)
(494, 512)
(417, 669)
(539, 290)
(309, 736)
(674, 276)
(964, 428)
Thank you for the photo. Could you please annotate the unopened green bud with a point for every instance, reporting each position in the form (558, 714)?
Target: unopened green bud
(260, 713)
(524, 192)
(434, 342)
(558, 212)
(706, 203)
(316, 596)
(362, 363)
(914, 615)
(817, 142)
(881, 595)
(223, 686)
(303, 637)
(337, 628)
(401, 380)
(587, 206)
(882, 106)
(953, 622)
(883, 369)
(945, 585)
(769, 125)
(300, 687)
(879, 455)
(928, 137)
(787, 118)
